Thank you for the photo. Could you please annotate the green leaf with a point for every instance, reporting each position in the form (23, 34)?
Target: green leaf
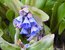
(39, 15)
(7, 46)
(46, 29)
(43, 43)
(23, 1)
(14, 5)
(6, 35)
(2, 7)
(1, 32)
(29, 2)
(54, 18)
(0, 21)
(10, 15)
(50, 48)
(40, 3)
(48, 6)
(61, 27)
(61, 12)
(12, 31)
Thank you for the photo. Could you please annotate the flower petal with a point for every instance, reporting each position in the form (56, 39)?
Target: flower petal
(23, 31)
(34, 30)
(17, 22)
(30, 38)
(29, 15)
(32, 21)
(26, 23)
(19, 18)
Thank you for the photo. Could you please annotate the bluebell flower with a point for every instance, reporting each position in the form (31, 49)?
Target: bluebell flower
(26, 23)
(34, 32)
(23, 31)
(17, 22)
(32, 21)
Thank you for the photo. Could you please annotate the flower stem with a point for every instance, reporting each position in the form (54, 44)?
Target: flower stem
(16, 36)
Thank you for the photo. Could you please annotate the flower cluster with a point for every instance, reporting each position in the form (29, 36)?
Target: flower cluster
(27, 24)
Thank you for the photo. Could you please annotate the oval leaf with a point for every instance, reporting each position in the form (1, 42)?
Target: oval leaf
(44, 43)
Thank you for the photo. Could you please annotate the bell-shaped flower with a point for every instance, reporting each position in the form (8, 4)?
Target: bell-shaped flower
(26, 23)
(17, 22)
(32, 21)
(23, 31)
(34, 32)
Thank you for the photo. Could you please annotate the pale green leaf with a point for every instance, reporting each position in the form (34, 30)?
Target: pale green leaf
(7, 46)
(40, 3)
(44, 43)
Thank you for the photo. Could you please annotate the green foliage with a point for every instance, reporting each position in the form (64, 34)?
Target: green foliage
(12, 31)
(40, 3)
(15, 6)
(57, 15)
(9, 15)
(47, 29)
(7, 46)
(61, 12)
(43, 44)
(61, 27)
(1, 32)
(61, 17)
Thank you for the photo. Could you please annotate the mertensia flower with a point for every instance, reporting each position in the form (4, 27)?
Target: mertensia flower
(26, 22)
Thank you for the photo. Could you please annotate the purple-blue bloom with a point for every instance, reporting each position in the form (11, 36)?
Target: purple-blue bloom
(34, 32)
(32, 21)
(17, 22)
(27, 24)
(23, 31)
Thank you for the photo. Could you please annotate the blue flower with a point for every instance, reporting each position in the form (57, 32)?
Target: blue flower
(32, 21)
(17, 22)
(23, 31)
(26, 23)
(34, 32)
